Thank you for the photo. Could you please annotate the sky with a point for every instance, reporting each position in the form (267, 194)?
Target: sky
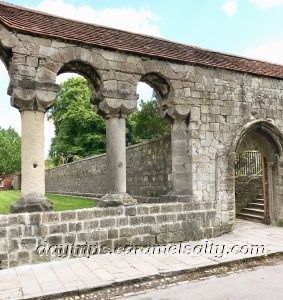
(252, 28)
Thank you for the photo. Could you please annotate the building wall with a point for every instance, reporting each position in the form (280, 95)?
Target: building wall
(148, 172)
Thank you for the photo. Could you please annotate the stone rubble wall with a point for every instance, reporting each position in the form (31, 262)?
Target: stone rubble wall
(145, 224)
(148, 172)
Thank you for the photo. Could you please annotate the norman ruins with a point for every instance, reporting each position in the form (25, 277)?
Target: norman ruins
(219, 105)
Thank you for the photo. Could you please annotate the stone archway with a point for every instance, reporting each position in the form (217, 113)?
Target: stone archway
(265, 138)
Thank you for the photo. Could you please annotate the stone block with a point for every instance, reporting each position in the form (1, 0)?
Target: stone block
(58, 228)
(122, 221)
(85, 214)
(3, 233)
(68, 215)
(142, 210)
(131, 211)
(149, 219)
(134, 221)
(54, 239)
(49, 218)
(113, 234)
(90, 225)
(107, 222)
(75, 227)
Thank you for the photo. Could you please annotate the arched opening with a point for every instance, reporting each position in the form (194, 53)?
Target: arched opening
(146, 122)
(257, 166)
(76, 130)
(147, 127)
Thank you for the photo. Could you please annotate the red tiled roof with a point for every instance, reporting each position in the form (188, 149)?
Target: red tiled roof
(38, 23)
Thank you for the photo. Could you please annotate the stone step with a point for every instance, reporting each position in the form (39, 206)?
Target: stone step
(260, 196)
(258, 200)
(256, 205)
(249, 217)
(253, 211)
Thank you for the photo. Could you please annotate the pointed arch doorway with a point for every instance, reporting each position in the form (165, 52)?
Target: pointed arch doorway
(257, 173)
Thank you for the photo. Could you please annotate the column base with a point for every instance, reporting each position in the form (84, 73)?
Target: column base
(112, 200)
(32, 203)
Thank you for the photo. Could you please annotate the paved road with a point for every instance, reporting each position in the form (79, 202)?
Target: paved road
(265, 283)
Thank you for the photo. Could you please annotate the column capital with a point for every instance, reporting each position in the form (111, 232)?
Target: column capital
(176, 113)
(32, 95)
(109, 107)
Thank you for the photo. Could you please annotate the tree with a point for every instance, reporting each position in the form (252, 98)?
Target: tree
(146, 124)
(79, 131)
(10, 152)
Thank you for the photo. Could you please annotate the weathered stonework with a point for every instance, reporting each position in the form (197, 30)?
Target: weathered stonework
(147, 224)
(149, 173)
(217, 104)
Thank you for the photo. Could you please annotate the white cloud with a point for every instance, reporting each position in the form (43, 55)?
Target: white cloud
(144, 91)
(141, 20)
(266, 4)
(230, 7)
(65, 76)
(270, 51)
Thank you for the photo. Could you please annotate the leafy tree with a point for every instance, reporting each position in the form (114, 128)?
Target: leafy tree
(146, 123)
(79, 131)
(10, 152)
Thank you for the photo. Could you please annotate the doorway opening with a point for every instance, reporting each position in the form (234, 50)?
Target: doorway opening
(257, 167)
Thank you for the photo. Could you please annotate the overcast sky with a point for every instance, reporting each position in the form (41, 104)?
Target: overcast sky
(252, 28)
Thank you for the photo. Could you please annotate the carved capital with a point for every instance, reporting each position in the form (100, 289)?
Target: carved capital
(176, 113)
(114, 103)
(32, 95)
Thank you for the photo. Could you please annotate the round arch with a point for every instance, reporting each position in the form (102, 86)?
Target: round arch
(158, 83)
(84, 69)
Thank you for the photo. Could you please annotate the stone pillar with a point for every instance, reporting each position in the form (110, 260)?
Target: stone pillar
(32, 153)
(181, 185)
(180, 157)
(32, 165)
(116, 154)
(32, 103)
(115, 112)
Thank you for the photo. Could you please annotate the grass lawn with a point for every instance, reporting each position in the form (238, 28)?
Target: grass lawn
(7, 198)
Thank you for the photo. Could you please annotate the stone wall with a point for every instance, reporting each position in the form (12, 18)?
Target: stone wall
(246, 190)
(148, 172)
(145, 224)
(211, 109)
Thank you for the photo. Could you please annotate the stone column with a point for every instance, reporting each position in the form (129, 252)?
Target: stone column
(32, 104)
(32, 165)
(115, 111)
(181, 185)
(116, 154)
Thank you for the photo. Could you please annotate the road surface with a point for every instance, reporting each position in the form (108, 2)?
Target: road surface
(265, 283)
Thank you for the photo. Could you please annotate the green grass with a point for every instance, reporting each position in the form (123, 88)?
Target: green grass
(7, 198)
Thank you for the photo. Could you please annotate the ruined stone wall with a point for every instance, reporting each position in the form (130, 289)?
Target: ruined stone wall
(217, 104)
(146, 224)
(246, 190)
(148, 172)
